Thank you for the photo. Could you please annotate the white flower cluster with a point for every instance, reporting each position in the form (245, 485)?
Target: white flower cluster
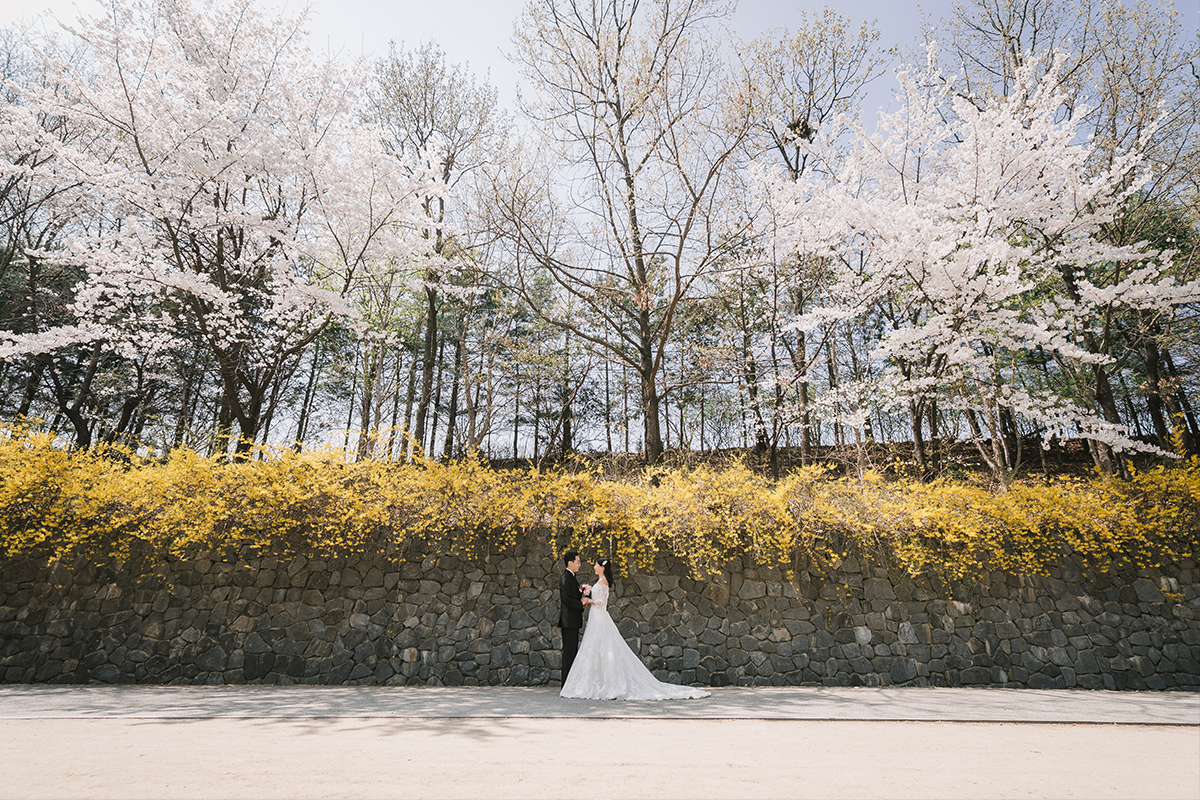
(970, 232)
(224, 187)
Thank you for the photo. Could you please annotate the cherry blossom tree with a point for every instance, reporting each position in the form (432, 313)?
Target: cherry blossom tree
(969, 231)
(237, 195)
(1125, 97)
(795, 84)
(36, 209)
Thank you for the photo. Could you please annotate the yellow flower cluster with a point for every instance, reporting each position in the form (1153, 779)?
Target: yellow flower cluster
(110, 505)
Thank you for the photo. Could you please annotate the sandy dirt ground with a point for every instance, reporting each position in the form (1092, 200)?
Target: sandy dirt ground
(591, 758)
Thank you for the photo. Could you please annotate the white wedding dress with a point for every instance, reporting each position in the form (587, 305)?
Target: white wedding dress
(607, 669)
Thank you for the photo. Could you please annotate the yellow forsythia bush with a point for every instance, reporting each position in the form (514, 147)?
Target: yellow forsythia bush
(107, 504)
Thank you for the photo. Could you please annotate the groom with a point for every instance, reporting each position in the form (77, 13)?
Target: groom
(570, 618)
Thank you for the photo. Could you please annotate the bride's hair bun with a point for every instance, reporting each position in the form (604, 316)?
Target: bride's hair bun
(609, 571)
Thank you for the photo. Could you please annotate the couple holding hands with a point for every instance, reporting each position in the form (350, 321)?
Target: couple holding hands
(602, 667)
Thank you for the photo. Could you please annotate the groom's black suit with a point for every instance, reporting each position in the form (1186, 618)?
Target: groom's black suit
(570, 618)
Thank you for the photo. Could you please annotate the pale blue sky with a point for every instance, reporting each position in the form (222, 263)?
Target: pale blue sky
(477, 32)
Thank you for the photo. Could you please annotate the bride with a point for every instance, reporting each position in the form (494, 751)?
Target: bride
(606, 668)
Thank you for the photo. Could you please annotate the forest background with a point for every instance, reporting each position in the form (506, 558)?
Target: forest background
(676, 248)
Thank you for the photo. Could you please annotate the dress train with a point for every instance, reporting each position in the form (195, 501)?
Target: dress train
(607, 669)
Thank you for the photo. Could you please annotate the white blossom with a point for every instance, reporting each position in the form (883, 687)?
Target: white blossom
(973, 221)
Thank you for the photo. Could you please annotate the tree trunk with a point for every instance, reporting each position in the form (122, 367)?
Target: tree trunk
(141, 416)
(1103, 455)
(310, 390)
(452, 418)
(1107, 459)
(607, 409)
(1151, 359)
(123, 419)
(935, 459)
(834, 383)
(800, 365)
(1012, 438)
(428, 363)
(436, 401)
(406, 437)
(31, 385)
(762, 442)
(1191, 430)
(685, 442)
(368, 415)
(391, 445)
(914, 411)
(350, 412)
(625, 404)
(224, 430)
(568, 444)
(995, 459)
(72, 408)
(248, 424)
(650, 404)
(185, 403)
(665, 398)
(516, 408)
(537, 410)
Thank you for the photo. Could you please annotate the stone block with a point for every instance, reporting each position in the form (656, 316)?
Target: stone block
(903, 669)
(976, 676)
(50, 669)
(1142, 665)
(878, 589)
(1059, 656)
(1040, 681)
(256, 644)
(1145, 591)
(822, 639)
(752, 590)
(212, 660)
(106, 673)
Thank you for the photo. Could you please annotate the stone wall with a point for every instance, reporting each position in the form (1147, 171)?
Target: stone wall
(441, 622)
